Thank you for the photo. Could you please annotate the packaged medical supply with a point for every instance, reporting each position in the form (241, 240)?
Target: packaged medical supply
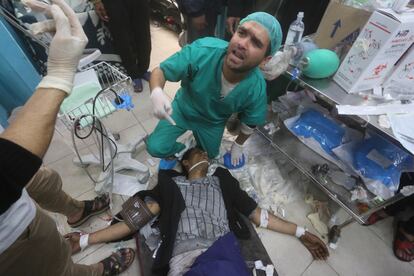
(382, 41)
(400, 82)
(379, 163)
(325, 131)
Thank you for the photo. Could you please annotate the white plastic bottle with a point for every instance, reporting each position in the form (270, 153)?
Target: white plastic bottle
(295, 32)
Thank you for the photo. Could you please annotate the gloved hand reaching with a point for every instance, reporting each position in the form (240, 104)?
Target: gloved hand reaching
(236, 153)
(65, 49)
(161, 105)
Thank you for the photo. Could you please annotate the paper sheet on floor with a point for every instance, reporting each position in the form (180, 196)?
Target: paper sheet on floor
(126, 185)
(269, 178)
(402, 127)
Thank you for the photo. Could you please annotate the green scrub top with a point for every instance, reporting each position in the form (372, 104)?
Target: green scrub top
(199, 67)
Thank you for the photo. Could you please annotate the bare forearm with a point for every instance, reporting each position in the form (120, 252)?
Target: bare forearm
(157, 79)
(112, 233)
(275, 223)
(34, 125)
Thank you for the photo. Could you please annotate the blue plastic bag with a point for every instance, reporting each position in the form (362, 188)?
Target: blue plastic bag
(313, 124)
(378, 159)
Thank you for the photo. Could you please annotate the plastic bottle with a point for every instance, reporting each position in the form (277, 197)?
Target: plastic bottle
(295, 31)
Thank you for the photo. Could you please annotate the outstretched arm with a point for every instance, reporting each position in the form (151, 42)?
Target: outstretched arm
(315, 245)
(33, 127)
(112, 233)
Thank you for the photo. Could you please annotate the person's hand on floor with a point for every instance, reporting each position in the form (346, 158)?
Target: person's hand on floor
(199, 22)
(100, 10)
(315, 246)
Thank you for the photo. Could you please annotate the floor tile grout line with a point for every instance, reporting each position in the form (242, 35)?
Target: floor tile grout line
(378, 236)
(77, 198)
(307, 267)
(60, 159)
(337, 273)
(146, 132)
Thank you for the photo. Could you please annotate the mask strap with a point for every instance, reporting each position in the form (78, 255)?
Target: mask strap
(196, 164)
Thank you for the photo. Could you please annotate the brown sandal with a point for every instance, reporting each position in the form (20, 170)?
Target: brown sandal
(117, 263)
(100, 203)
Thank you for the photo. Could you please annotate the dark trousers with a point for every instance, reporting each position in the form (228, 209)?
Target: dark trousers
(130, 29)
(194, 34)
(400, 206)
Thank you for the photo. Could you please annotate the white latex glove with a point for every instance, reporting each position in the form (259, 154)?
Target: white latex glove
(65, 49)
(161, 105)
(236, 153)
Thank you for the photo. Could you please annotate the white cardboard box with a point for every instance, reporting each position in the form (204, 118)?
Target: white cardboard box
(382, 41)
(403, 72)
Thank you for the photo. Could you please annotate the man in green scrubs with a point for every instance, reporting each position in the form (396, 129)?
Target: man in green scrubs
(217, 79)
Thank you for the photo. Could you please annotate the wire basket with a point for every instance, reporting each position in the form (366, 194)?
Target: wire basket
(107, 102)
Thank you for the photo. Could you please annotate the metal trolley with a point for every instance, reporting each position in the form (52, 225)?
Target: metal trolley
(82, 122)
(113, 82)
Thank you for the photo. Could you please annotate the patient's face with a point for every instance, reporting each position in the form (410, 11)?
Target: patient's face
(197, 155)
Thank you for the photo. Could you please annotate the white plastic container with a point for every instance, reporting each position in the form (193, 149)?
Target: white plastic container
(295, 32)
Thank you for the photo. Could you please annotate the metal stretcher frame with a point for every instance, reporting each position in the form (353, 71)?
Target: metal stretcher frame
(303, 157)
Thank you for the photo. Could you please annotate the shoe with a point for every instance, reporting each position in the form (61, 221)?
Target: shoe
(138, 85)
(147, 76)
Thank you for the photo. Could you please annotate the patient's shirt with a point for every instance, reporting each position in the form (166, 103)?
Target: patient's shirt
(204, 219)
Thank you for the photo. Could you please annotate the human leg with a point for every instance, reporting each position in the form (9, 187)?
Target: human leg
(162, 142)
(41, 250)
(193, 33)
(119, 25)
(46, 189)
(141, 34)
(209, 139)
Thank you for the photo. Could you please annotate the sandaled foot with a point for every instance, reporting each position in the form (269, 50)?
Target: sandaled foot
(118, 262)
(403, 247)
(92, 207)
(375, 217)
(74, 241)
(138, 87)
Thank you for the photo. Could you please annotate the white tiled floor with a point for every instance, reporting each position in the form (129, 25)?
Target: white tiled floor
(362, 250)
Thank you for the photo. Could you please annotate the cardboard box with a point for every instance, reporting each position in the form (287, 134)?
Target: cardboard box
(382, 41)
(403, 72)
(340, 24)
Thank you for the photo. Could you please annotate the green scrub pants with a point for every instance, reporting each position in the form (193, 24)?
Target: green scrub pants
(162, 142)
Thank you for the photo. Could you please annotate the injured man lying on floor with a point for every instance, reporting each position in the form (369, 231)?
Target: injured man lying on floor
(189, 212)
